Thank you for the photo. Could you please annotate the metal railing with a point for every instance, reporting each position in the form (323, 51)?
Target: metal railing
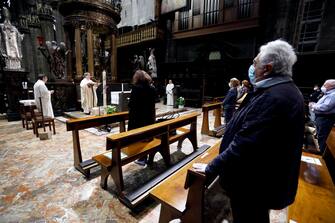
(210, 16)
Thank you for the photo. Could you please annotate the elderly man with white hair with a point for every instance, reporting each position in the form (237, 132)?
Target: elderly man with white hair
(260, 152)
(324, 111)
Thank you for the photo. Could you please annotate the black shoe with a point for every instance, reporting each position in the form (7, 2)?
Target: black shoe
(141, 162)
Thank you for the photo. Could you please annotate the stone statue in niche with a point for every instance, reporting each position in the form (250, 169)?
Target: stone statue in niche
(23, 23)
(43, 8)
(151, 66)
(57, 55)
(10, 40)
(117, 5)
(138, 62)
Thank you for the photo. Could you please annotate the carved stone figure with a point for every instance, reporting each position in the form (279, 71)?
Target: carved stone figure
(10, 40)
(152, 67)
(43, 8)
(23, 23)
(56, 59)
(117, 5)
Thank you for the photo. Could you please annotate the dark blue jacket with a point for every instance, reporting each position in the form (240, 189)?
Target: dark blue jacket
(261, 149)
(230, 99)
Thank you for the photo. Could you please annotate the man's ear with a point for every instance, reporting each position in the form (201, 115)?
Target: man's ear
(268, 69)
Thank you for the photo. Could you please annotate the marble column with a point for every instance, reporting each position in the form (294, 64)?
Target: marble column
(114, 58)
(79, 66)
(90, 51)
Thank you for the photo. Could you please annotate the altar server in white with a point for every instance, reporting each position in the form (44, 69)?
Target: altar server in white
(41, 92)
(169, 93)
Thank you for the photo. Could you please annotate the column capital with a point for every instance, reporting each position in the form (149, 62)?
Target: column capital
(89, 24)
(76, 24)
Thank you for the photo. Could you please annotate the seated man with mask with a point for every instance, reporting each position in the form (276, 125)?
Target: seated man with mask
(324, 111)
(260, 152)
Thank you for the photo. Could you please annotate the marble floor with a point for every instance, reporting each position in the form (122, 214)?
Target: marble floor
(38, 182)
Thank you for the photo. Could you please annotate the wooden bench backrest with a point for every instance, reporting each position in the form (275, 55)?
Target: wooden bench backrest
(315, 199)
(126, 138)
(83, 123)
(219, 99)
(181, 121)
(331, 142)
(212, 106)
(329, 154)
(135, 135)
(172, 191)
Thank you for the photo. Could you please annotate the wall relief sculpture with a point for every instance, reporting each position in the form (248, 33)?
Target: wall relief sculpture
(10, 40)
(56, 58)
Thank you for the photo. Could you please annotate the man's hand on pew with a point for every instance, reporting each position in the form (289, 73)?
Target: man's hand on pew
(199, 167)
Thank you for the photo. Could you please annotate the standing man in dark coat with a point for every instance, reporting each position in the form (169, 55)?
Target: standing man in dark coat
(260, 152)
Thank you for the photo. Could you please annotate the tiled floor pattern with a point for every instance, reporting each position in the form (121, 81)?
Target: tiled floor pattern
(39, 183)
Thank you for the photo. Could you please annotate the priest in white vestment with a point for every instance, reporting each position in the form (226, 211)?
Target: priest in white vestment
(41, 91)
(88, 93)
(169, 93)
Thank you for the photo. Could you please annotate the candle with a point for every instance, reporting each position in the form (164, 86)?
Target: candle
(104, 88)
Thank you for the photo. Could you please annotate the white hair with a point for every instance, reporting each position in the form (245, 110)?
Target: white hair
(331, 82)
(280, 54)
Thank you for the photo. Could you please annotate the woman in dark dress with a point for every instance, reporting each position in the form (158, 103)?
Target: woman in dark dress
(141, 104)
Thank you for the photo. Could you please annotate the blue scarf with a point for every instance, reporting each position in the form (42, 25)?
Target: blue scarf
(272, 81)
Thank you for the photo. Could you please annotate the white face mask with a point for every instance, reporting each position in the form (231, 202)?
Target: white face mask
(323, 89)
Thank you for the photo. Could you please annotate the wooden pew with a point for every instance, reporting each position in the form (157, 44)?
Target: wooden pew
(217, 107)
(210, 99)
(183, 133)
(182, 194)
(315, 199)
(314, 203)
(128, 146)
(329, 154)
(75, 125)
